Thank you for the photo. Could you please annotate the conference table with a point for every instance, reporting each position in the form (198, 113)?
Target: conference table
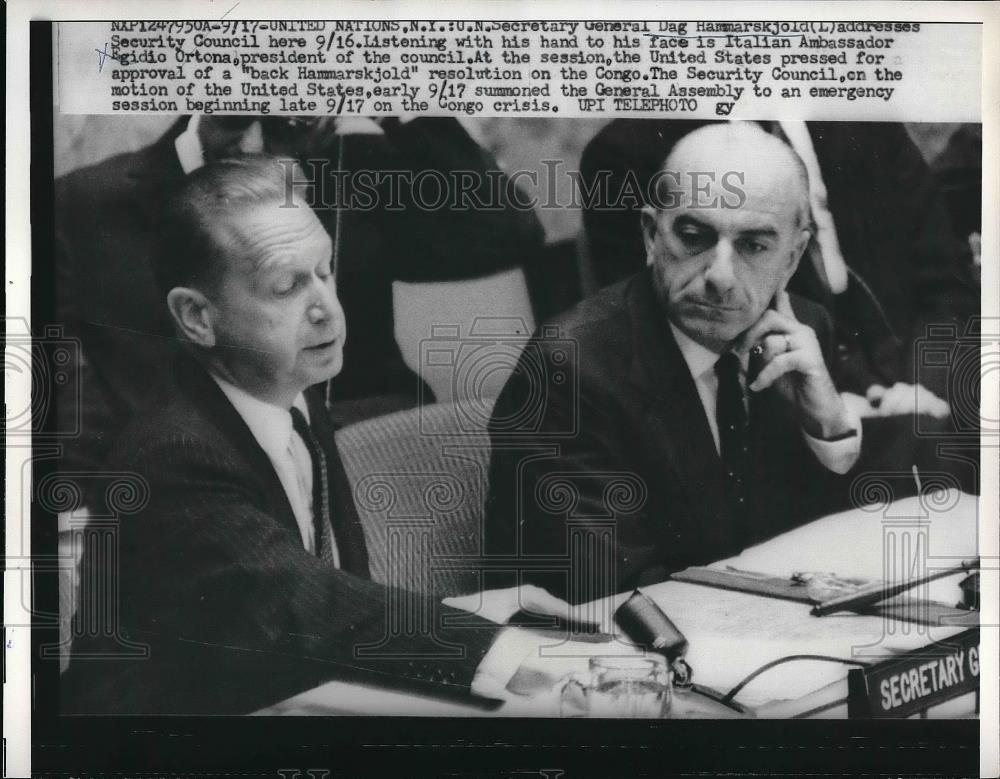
(731, 633)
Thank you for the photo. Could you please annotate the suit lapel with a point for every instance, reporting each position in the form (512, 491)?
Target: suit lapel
(344, 516)
(673, 414)
(194, 380)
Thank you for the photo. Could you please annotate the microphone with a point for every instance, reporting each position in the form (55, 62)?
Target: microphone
(645, 623)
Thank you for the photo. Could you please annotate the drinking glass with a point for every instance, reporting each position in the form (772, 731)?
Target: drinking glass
(619, 688)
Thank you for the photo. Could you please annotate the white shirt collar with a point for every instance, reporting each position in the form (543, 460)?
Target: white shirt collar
(271, 425)
(190, 153)
(838, 456)
(700, 359)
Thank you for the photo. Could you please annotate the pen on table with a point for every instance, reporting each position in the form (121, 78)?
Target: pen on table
(916, 478)
(860, 600)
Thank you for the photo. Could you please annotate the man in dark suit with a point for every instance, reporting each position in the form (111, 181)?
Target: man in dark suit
(889, 225)
(246, 573)
(686, 412)
(108, 225)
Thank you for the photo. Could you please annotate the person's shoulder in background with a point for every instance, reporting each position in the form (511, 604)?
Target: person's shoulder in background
(117, 176)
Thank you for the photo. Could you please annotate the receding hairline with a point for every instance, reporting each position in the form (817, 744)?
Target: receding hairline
(198, 216)
(739, 134)
(236, 232)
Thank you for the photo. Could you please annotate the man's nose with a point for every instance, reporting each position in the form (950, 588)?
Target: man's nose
(720, 276)
(325, 306)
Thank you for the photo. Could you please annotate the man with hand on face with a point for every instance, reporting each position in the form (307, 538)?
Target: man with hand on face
(694, 413)
(246, 573)
(883, 260)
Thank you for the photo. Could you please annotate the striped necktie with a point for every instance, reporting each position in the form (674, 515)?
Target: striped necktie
(321, 488)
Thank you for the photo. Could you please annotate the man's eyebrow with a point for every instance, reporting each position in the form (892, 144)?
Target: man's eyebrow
(760, 232)
(265, 263)
(271, 262)
(687, 219)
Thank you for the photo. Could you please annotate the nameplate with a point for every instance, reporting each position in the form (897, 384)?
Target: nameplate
(916, 680)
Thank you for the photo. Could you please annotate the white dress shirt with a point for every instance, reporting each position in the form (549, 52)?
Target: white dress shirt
(837, 456)
(272, 427)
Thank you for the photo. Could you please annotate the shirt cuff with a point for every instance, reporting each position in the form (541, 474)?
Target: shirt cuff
(840, 455)
(502, 661)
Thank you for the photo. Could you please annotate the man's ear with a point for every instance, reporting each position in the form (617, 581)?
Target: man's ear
(192, 314)
(649, 228)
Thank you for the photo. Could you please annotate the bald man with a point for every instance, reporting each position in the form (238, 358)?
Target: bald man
(686, 412)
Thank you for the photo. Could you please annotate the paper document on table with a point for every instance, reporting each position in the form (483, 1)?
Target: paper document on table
(731, 634)
(904, 540)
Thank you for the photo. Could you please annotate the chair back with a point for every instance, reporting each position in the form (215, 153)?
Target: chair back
(419, 479)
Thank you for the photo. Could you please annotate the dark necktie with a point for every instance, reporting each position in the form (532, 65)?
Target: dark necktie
(321, 488)
(734, 443)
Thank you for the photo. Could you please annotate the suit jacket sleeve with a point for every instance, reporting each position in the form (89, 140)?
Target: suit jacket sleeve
(580, 483)
(555, 484)
(230, 601)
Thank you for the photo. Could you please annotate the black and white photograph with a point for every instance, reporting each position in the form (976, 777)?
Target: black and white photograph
(502, 398)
